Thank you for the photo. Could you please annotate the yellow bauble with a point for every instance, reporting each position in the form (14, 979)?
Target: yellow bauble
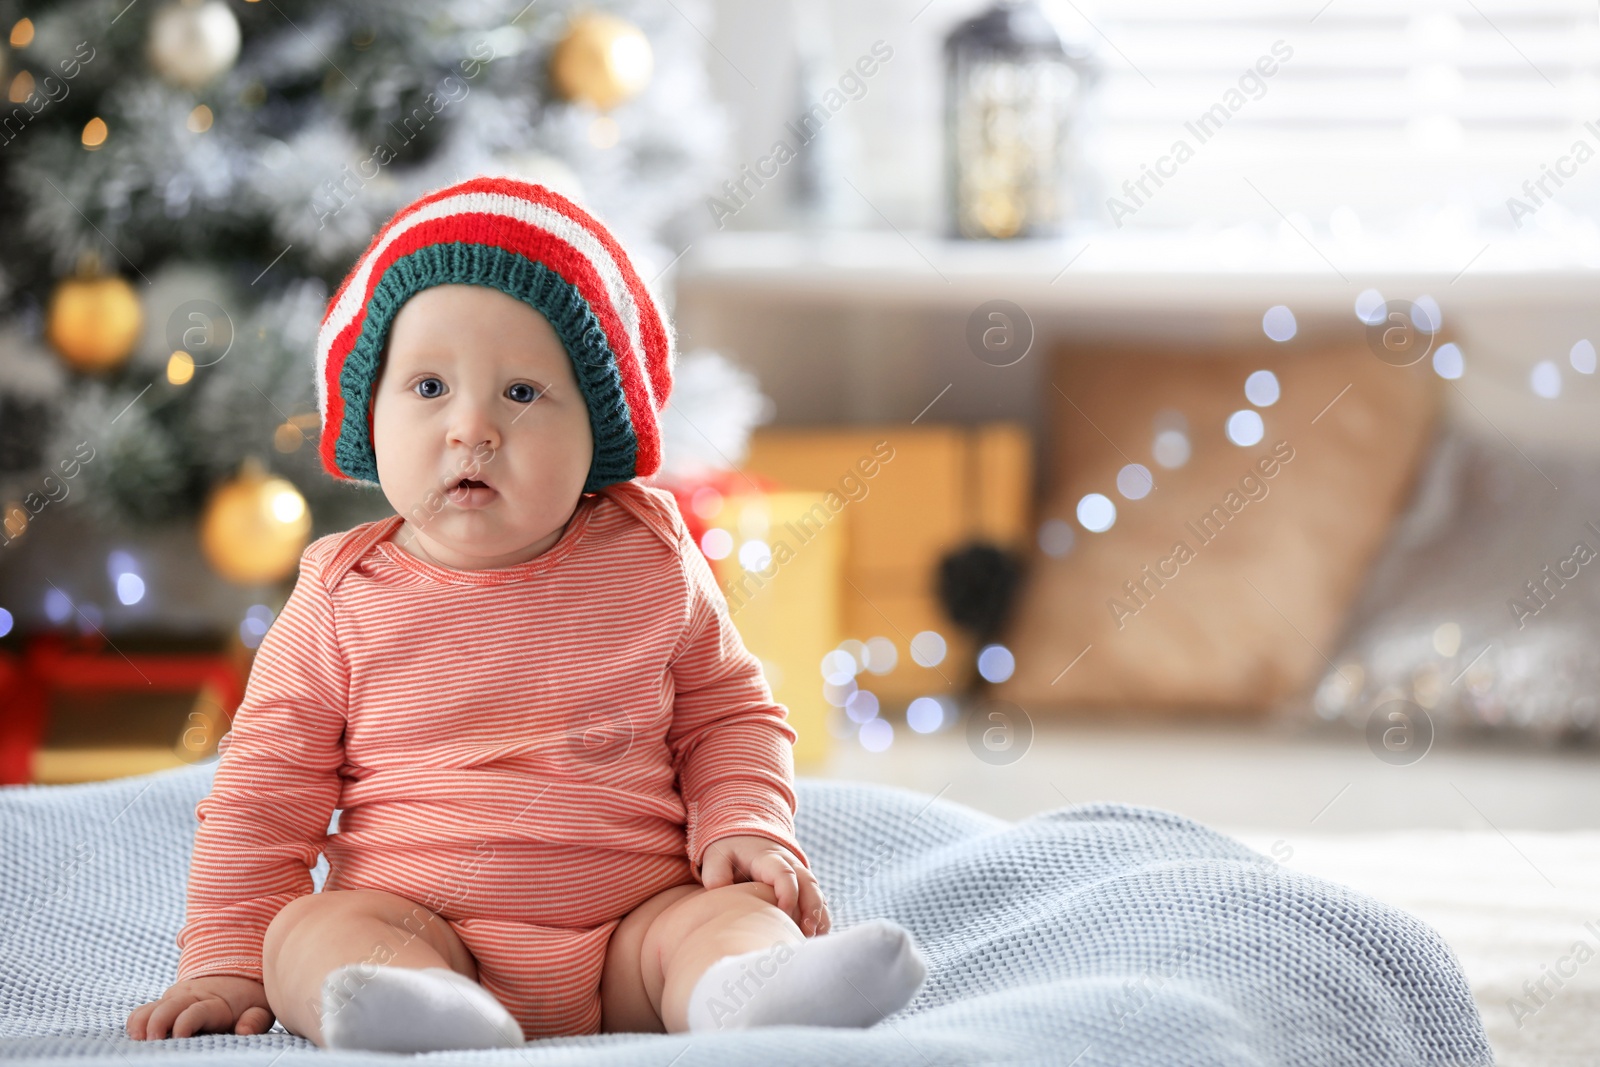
(93, 322)
(255, 527)
(602, 61)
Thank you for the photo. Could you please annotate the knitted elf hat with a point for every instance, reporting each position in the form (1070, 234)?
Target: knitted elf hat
(539, 247)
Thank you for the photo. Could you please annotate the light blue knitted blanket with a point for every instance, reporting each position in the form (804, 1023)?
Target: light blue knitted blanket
(1096, 935)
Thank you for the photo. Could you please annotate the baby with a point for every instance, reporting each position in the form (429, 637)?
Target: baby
(566, 796)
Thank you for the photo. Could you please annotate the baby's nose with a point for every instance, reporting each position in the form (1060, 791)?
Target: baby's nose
(472, 426)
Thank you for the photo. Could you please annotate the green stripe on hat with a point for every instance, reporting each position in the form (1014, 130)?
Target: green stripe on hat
(465, 263)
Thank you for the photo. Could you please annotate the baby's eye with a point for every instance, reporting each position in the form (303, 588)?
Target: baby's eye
(429, 388)
(523, 393)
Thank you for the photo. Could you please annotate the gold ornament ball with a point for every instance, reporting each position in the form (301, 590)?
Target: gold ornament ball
(255, 527)
(193, 41)
(602, 61)
(93, 322)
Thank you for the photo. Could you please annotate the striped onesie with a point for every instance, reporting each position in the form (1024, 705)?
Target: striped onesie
(530, 751)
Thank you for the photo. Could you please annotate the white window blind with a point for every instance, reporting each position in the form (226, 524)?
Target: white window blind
(1382, 107)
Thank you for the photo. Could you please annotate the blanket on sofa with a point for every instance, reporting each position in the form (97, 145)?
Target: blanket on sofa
(1098, 934)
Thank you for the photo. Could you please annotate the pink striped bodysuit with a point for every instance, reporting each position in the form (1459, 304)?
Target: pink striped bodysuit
(530, 751)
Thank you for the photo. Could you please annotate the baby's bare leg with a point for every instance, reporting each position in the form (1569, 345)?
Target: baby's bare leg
(317, 933)
(660, 949)
(730, 958)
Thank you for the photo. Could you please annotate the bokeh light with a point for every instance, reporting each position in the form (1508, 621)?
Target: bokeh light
(706, 502)
(996, 663)
(288, 505)
(1134, 481)
(925, 715)
(1171, 448)
(1582, 356)
(857, 651)
(862, 705)
(754, 519)
(1545, 379)
(57, 606)
(180, 368)
(125, 577)
(1369, 306)
(928, 648)
(1279, 323)
(1245, 428)
(881, 655)
(1097, 513)
(130, 588)
(876, 735)
(1261, 389)
(119, 563)
(6, 622)
(1447, 362)
(288, 437)
(838, 667)
(1425, 314)
(1056, 537)
(837, 695)
(716, 543)
(754, 555)
(1447, 639)
(253, 627)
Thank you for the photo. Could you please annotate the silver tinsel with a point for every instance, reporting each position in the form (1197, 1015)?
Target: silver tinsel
(137, 475)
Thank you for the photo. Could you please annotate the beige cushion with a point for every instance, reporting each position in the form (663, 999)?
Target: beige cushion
(1238, 610)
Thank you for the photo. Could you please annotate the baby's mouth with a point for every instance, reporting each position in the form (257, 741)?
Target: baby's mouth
(470, 491)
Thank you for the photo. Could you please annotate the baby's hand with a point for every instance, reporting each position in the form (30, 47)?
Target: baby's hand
(752, 858)
(211, 1004)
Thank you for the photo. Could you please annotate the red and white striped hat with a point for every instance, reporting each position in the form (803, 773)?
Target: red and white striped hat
(533, 244)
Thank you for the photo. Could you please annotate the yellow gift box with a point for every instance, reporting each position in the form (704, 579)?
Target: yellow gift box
(849, 548)
(913, 493)
(782, 581)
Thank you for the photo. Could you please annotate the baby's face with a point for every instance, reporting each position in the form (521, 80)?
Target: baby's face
(476, 385)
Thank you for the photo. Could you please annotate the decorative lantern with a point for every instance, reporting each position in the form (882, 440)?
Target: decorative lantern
(1013, 92)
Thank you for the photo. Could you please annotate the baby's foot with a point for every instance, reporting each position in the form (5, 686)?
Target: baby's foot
(851, 978)
(408, 1009)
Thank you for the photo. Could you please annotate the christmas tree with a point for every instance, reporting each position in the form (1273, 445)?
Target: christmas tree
(186, 182)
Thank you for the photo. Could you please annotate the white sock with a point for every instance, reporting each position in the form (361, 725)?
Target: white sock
(851, 978)
(409, 1009)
